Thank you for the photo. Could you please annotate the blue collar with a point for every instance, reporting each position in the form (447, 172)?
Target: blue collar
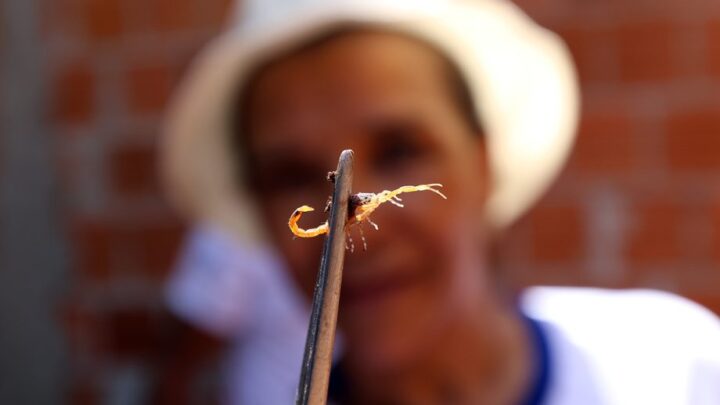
(540, 385)
(535, 395)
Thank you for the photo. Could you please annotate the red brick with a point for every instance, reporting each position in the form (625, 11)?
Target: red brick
(712, 41)
(587, 46)
(150, 245)
(54, 17)
(605, 144)
(165, 16)
(156, 246)
(148, 87)
(218, 11)
(645, 51)
(654, 235)
(73, 94)
(715, 218)
(558, 233)
(145, 246)
(104, 247)
(103, 18)
(693, 140)
(132, 170)
(92, 245)
(131, 333)
(213, 16)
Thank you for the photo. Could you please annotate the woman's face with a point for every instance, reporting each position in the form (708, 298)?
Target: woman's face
(389, 99)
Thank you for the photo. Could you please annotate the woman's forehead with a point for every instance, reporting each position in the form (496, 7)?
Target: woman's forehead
(346, 77)
(345, 64)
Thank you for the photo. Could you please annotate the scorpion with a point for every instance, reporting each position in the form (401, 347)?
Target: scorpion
(360, 206)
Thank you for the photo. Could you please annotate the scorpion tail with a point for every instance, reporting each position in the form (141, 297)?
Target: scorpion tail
(305, 233)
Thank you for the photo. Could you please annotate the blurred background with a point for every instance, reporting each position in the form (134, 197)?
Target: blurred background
(87, 239)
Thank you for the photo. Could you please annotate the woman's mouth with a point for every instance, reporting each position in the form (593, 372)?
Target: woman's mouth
(373, 290)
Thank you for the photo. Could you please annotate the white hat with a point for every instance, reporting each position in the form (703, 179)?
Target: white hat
(519, 74)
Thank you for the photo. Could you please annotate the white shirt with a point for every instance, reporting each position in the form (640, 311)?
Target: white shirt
(627, 347)
(606, 347)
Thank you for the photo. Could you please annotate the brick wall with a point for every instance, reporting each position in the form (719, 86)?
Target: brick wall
(639, 204)
(112, 65)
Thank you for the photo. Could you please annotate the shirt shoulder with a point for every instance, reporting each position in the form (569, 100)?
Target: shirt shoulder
(638, 346)
(230, 289)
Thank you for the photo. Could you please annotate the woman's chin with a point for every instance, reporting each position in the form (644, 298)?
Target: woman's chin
(391, 339)
(383, 355)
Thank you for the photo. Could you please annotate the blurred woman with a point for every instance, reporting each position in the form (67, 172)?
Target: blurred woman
(470, 94)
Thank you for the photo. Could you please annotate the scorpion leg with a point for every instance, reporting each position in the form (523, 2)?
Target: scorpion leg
(392, 200)
(352, 244)
(373, 224)
(362, 236)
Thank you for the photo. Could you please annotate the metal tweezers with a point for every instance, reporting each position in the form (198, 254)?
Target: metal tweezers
(317, 359)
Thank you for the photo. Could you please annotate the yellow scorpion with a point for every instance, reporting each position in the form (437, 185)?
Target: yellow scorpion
(360, 206)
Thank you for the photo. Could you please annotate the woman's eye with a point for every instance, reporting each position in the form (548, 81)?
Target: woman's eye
(398, 145)
(288, 176)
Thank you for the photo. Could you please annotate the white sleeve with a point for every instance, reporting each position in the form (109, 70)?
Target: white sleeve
(637, 346)
(705, 372)
(215, 284)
